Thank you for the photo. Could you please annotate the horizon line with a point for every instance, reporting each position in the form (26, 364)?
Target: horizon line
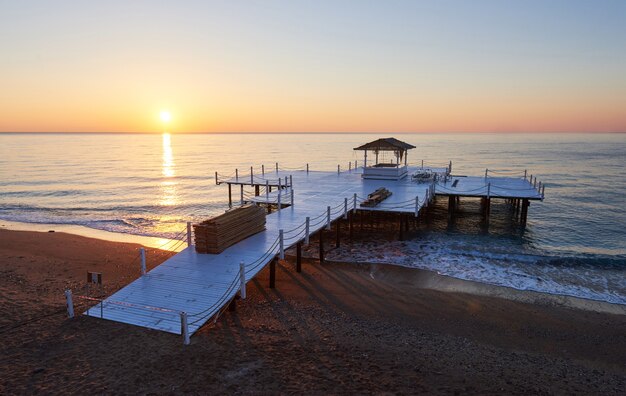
(306, 132)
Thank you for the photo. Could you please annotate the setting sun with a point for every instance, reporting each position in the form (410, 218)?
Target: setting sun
(166, 116)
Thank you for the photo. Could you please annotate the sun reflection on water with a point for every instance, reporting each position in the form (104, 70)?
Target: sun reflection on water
(169, 194)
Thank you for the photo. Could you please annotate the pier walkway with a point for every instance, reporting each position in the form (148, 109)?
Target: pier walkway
(187, 290)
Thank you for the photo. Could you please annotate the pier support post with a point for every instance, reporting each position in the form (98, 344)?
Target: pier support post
(321, 243)
(184, 328)
(299, 257)
(256, 190)
(351, 224)
(142, 254)
(242, 280)
(401, 224)
(189, 241)
(273, 274)
(230, 195)
(69, 303)
(451, 204)
(338, 235)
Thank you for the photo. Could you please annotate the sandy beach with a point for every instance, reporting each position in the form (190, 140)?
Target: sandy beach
(335, 328)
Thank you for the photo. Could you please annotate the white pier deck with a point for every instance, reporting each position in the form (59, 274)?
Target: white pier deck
(201, 285)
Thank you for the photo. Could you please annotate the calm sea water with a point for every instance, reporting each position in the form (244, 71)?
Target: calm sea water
(574, 244)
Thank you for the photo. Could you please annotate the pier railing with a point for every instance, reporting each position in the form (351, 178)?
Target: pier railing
(284, 240)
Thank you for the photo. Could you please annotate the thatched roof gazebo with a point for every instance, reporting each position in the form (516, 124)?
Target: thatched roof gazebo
(386, 170)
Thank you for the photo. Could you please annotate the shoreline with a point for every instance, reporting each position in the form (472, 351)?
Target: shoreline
(80, 230)
(436, 281)
(427, 279)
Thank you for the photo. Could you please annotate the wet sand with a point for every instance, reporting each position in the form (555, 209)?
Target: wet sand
(334, 328)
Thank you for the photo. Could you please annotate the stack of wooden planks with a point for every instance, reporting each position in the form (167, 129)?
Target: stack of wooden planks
(216, 234)
(376, 197)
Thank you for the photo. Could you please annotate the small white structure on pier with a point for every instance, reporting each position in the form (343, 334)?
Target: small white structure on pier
(393, 170)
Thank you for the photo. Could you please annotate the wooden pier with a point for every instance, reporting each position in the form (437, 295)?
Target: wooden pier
(187, 290)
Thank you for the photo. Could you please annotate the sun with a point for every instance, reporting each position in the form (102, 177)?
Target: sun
(165, 116)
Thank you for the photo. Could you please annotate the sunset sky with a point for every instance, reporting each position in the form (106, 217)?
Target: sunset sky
(278, 66)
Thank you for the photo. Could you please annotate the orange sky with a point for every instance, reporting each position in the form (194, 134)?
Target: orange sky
(297, 68)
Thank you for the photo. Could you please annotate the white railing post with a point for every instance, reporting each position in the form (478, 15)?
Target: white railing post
(267, 191)
(189, 241)
(291, 191)
(417, 205)
(354, 203)
(216, 181)
(263, 170)
(184, 329)
(345, 208)
(236, 174)
(282, 245)
(251, 176)
(328, 217)
(307, 222)
(242, 280)
(279, 198)
(142, 253)
(69, 303)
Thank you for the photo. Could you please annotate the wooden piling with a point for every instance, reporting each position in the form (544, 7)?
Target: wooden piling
(273, 274)
(299, 257)
(321, 243)
(338, 235)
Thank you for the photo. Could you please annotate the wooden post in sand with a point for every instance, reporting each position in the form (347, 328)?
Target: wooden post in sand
(273, 274)
(184, 329)
(69, 303)
(321, 242)
(142, 254)
(299, 257)
(189, 242)
(242, 280)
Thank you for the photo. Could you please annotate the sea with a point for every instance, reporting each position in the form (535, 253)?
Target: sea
(152, 184)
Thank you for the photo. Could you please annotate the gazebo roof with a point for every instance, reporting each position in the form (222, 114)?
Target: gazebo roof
(386, 144)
